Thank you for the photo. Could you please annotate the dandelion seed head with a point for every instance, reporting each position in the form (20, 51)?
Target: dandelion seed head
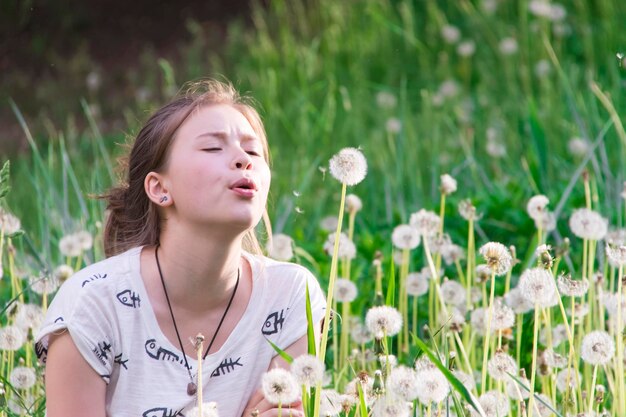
(571, 288)
(478, 319)
(588, 224)
(508, 46)
(390, 406)
(405, 236)
(515, 391)
(558, 12)
(425, 222)
(432, 386)
(597, 348)
(386, 100)
(501, 365)
(345, 290)
(393, 125)
(329, 223)
(451, 34)
(353, 204)
(448, 184)
(44, 284)
(467, 210)
(540, 8)
(494, 404)
(308, 370)
(466, 379)
(9, 224)
(348, 166)
(541, 409)
(578, 147)
(11, 338)
(23, 377)
(280, 386)
(553, 359)
(542, 68)
(452, 253)
(503, 317)
(416, 284)
(346, 250)
(84, 239)
(70, 246)
(453, 293)
(536, 206)
(497, 256)
(537, 285)
(360, 333)
(402, 382)
(559, 335)
(29, 316)
(466, 48)
(455, 321)
(62, 273)
(612, 303)
(383, 321)
(562, 379)
(495, 148)
(616, 255)
(331, 403)
(616, 237)
(280, 247)
(209, 409)
(483, 273)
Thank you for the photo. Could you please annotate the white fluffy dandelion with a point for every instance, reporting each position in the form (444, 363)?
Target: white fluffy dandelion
(448, 184)
(516, 391)
(389, 406)
(353, 204)
(597, 348)
(345, 290)
(9, 224)
(466, 379)
(84, 239)
(393, 125)
(12, 338)
(467, 210)
(62, 273)
(360, 333)
(537, 285)
(616, 255)
(417, 284)
(70, 246)
(209, 409)
(405, 237)
(541, 409)
(452, 253)
(280, 247)
(280, 386)
(536, 206)
(386, 100)
(508, 46)
(402, 382)
(308, 370)
(501, 365)
(44, 284)
(578, 146)
(432, 386)
(466, 48)
(553, 359)
(494, 404)
(565, 375)
(451, 34)
(425, 222)
(348, 166)
(571, 288)
(518, 303)
(383, 321)
(497, 256)
(453, 293)
(23, 377)
(331, 403)
(329, 223)
(503, 317)
(588, 224)
(346, 246)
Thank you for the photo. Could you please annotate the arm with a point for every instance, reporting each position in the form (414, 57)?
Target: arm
(257, 401)
(73, 388)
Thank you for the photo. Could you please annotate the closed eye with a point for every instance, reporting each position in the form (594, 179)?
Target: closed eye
(255, 153)
(212, 149)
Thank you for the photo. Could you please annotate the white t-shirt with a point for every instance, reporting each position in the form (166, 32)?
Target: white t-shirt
(108, 314)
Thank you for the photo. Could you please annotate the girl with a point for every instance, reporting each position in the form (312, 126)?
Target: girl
(183, 259)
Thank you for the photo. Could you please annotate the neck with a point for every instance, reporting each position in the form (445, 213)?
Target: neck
(199, 272)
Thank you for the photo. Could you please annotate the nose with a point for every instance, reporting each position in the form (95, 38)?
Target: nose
(242, 160)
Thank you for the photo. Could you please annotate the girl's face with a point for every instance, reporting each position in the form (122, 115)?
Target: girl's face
(216, 174)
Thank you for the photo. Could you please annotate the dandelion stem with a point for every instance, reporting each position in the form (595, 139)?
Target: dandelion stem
(533, 367)
(483, 386)
(592, 389)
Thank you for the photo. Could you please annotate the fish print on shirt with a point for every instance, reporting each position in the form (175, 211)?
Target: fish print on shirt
(94, 277)
(121, 361)
(102, 351)
(162, 412)
(129, 298)
(41, 351)
(274, 323)
(161, 354)
(226, 367)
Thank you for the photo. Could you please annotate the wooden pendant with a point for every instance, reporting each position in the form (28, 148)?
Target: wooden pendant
(191, 388)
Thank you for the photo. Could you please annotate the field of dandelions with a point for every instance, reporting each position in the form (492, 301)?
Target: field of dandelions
(452, 172)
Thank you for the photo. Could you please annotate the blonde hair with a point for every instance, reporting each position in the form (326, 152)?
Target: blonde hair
(133, 219)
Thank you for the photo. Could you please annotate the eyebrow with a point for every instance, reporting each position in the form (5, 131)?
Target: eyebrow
(222, 135)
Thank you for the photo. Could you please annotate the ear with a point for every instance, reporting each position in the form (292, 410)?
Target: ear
(156, 190)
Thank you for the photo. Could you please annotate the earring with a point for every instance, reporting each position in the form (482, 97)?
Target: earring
(163, 199)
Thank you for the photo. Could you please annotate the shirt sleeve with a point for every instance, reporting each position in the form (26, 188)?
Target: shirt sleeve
(83, 308)
(296, 323)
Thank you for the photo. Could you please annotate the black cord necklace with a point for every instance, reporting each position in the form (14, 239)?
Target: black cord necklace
(192, 388)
